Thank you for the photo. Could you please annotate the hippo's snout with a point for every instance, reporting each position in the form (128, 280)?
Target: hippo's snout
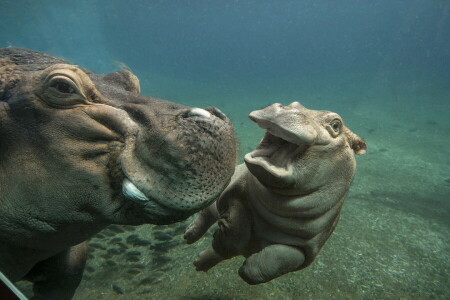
(179, 162)
(291, 123)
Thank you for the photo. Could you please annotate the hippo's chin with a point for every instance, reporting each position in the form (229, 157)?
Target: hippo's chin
(271, 162)
(151, 209)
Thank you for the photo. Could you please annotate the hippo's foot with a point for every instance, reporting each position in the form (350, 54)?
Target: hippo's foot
(271, 262)
(207, 259)
(234, 232)
(233, 235)
(59, 276)
(201, 224)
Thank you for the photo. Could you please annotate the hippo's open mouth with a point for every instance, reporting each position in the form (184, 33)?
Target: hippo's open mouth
(275, 155)
(288, 136)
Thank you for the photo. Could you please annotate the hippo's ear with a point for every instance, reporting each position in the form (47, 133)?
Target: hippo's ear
(124, 78)
(356, 143)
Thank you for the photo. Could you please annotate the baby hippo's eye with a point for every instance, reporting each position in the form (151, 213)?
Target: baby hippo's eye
(336, 125)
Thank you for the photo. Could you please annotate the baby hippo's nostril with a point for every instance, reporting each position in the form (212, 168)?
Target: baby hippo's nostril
(296, 105)
(198, 112)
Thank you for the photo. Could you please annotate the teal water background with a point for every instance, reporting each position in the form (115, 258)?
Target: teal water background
(384, 66)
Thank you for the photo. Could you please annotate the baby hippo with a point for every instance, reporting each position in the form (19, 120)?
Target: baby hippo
(283, 204)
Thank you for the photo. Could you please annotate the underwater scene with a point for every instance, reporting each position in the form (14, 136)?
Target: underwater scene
(373, 75)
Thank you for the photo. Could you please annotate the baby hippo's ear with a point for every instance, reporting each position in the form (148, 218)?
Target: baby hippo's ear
(356, 143)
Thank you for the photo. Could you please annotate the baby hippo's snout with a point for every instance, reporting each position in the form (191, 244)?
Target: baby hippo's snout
(292, 123)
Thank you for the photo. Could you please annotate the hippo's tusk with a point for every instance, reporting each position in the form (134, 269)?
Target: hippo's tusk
(132, 192)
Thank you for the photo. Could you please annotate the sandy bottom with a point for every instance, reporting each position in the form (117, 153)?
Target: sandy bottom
(392, 241)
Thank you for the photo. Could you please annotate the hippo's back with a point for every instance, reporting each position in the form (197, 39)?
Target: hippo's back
(22, 56)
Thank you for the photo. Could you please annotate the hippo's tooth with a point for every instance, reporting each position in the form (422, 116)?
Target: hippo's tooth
(199, 112)
(132, 192)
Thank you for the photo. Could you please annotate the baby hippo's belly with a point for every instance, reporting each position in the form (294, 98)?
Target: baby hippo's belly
(302, 221)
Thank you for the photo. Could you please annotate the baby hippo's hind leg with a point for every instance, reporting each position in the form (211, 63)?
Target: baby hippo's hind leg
(271, 262)
(230, 239)
(207, 259)
(234, 233)
(201, 224)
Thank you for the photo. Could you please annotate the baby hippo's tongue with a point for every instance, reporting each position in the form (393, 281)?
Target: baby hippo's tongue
(286, 122)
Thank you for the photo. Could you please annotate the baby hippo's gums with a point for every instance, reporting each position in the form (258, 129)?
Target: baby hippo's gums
(284, 202)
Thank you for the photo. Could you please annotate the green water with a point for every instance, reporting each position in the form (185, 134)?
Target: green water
(387, 74)
(391, 241)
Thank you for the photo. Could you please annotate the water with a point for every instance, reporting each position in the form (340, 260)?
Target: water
(384, 66)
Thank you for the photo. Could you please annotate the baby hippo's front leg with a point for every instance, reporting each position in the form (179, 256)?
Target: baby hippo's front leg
(230, 239)
(201, 224)
(271, 262)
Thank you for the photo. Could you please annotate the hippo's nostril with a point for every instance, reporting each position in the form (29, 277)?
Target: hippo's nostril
(194, 112)
(208, 112)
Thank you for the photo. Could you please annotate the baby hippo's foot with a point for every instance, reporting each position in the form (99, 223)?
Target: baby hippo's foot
(193, 232)
(207, 259)
(271, 262)
(201, 224)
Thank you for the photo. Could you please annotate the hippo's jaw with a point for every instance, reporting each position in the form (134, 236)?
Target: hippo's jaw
(271, 161)
(288, 135)
(185, 170)
(291, 132)
(154, 211)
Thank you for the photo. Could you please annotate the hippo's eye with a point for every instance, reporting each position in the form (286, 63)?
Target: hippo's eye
(336, 125)
(62, 89)
(63, 85)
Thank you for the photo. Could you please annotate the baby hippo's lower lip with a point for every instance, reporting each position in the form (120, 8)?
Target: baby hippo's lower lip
(130, 191)
(267, 173)
(278, 171)
(272, 161)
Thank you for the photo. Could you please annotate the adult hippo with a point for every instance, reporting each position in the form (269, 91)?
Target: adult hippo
(79, 151)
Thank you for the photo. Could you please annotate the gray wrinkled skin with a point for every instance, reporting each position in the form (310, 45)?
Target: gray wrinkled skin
(284, 202)
(79, 151)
